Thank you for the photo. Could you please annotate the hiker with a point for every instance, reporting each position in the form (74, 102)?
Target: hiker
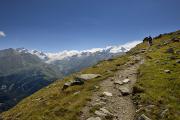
(149, 40)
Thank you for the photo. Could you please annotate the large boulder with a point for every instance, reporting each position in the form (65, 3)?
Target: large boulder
(76, 81)
(79, 80)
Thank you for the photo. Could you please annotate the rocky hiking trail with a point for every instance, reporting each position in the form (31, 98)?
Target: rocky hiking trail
(113, 99)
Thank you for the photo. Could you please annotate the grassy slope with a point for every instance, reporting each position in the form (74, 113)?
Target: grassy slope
(51, 104)
(161, 89)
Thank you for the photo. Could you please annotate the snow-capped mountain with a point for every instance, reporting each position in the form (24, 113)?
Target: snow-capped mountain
(51, 57)
(26, 68)
(40, 54)
(110, 49)
(74, 60)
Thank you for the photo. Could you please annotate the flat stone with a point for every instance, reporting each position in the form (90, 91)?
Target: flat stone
(167, 71)
(94, 118)
(99, 103)
(88, 76)
(100, 113)
(106, 111)
(76, 93)
(124, 91)
(126, 80)
(107, 94)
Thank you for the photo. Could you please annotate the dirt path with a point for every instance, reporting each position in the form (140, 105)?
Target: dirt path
(119, 106)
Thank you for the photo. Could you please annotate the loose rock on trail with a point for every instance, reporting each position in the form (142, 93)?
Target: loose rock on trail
(117, 105)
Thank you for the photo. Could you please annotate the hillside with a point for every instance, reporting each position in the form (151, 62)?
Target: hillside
(22, 74)
(23, 71)
(148, 75)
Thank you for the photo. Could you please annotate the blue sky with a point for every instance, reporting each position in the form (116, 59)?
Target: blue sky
(56, 25)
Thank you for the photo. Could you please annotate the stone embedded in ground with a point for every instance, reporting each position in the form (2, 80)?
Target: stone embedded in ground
(38, 99)
(66, 85)
(166, 42)
(96, 87)
(164, 112)
(167, 71)
(147, 109)
(76, 81)
(143, 117)
(126, 80)
(100, 113)
(76, 93)
(170, 50)
(107, 94)
(94, 118)
(172, 57)
(104, 99)
(118, 82)
(175, 40)
(139, 110)
(88, 76)
(106, 111)
(178, 52)
(124, 90)
(99, 103)
(177, 61)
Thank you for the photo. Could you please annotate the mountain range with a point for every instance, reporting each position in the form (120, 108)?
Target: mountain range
(74, 60)
(23, 71)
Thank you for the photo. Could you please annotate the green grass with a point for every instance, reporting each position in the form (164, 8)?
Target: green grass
(51, 103)
(161, 89)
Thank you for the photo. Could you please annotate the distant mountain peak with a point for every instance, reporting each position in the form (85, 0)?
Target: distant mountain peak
(110, 49)
(51, 57)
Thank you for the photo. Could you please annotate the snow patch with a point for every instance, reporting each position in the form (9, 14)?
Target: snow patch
(50, 57)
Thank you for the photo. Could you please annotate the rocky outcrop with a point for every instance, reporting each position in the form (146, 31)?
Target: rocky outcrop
(79, 80)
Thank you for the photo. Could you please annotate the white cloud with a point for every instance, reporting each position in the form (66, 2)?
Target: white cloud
(127, 46)
(113, 49)
(2, 34)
